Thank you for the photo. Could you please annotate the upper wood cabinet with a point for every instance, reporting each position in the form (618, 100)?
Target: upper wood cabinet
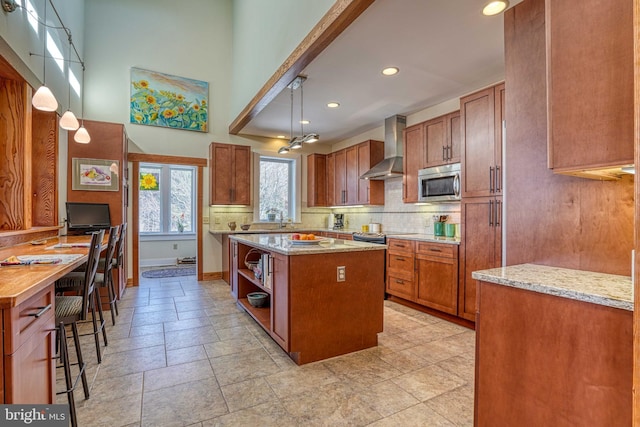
(230, 171)
(316, 180)
(589, 84)
(412, 161)
(442, 139)
(28, 167)
(481, 123)
(347, 166)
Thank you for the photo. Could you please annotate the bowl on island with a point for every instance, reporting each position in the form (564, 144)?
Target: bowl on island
(245, 227)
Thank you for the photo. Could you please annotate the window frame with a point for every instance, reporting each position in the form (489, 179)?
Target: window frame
(295, 186)
(165, 202)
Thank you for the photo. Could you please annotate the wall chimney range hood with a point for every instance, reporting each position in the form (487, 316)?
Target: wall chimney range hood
(391, 166)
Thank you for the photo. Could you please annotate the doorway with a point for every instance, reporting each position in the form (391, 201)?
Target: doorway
(170, 226)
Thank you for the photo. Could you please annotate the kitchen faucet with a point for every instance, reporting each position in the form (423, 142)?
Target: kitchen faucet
(281, 224)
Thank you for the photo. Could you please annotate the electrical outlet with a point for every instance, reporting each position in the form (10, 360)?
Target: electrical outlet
(175, 246)
(342, 273)
(205, 219)
(216, 220)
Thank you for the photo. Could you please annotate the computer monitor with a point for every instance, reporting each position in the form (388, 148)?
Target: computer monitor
(87, 217)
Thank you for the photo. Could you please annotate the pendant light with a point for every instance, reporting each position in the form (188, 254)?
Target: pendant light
(82, 136)
(68, 121)
(286, 148)
(43, 99)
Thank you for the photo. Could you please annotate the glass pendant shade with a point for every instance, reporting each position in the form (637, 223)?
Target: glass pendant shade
(82, 136)
(44, 100)
(68, 121)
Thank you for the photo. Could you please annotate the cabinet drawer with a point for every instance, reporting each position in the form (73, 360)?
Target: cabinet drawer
(438, 249)
(24, 320)
(400, 287)
(400, 261)
(399, 245)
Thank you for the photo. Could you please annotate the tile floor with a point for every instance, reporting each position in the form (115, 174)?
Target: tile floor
(181, 353)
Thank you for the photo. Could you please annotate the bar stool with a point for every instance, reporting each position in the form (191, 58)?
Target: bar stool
(104, 278)
(69, 311)
(74, 282)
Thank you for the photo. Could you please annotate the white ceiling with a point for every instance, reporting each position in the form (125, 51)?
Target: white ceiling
(444, 49)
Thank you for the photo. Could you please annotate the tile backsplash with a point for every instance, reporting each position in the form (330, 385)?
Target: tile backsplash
(395, 216)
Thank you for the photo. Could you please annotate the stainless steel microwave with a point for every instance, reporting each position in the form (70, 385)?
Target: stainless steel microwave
(439, 184)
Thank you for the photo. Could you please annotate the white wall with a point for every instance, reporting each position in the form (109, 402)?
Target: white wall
(265, 33)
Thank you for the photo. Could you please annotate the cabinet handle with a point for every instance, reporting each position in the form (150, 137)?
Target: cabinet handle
(444, 152)
(400, 258)
(42, 311)
(498, 179)
(449, 150)
(498, 213)
(491, 178)
(400, 282)
(435, 250)
(490, 213)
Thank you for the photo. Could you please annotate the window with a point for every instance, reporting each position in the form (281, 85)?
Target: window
(278, 191)
(166, 199)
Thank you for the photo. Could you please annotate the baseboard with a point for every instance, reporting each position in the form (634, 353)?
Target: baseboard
(217, 275)
(158, 262)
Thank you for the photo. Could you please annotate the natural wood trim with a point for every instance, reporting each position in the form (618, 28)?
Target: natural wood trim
(135, 228)
(136, 159)
(173, 160)
(636, 240)
(215, 275)
(332, 24)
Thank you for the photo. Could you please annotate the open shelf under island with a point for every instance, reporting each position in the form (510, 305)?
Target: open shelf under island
(312, 314)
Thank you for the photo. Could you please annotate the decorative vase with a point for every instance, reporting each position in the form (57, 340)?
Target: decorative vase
(180, 228)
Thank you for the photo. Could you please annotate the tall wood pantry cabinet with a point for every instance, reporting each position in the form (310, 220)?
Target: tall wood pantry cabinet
(230, 171)
(482, 126)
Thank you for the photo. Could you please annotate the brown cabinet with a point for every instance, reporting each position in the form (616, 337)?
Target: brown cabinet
(230, 170)
(348, 164)
(317, 180)
(331, 180)
(589, 84)
(442, 140)
(437, 276)
(412, 161)
(481, 247)
(480, 131)
(29, 350)
(400, 269)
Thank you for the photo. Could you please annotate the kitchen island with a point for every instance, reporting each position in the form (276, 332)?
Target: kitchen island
(554, 346)
(325, 297)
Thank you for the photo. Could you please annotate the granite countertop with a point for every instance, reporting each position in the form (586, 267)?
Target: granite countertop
(424, 238)
(597, 288)
(281, 243)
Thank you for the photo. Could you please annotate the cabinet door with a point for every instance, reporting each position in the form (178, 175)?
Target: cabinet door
(331, 180)
(340, 177)
(499, 137)
(589, 83)
(455, 137)
(480, 247)
(477, 117)
(437, 282)
(316, 180)
(435, 132)
(280, 301)
(352, 176)
(233, 275)
(370, 192)
(221, 157)
(412, 161)
(241, 176)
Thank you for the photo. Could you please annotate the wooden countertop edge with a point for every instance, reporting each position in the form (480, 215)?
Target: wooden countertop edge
(9, 301)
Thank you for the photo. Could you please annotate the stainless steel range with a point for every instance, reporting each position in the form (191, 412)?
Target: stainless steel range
(379, 238)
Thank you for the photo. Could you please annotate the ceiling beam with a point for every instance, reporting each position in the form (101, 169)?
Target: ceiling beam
(332, 24)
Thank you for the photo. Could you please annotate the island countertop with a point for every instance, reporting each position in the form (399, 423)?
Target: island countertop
(282, 243)
(597, 288)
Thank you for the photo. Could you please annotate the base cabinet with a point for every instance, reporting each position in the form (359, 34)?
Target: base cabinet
(437, 268)
(29, 350)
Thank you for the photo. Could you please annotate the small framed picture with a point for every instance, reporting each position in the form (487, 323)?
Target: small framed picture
(95, 174)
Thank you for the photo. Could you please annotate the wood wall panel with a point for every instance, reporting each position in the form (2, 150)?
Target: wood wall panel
(552, 219)
(14, 117)
(44, 155)
(636, 240)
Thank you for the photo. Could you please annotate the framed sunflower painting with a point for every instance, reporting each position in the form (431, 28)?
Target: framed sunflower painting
(159, 99)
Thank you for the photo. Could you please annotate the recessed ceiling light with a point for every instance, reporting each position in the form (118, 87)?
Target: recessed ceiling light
(495, 7)
(304, 122)
(333, 104)
(390, 71)
(281, 137)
